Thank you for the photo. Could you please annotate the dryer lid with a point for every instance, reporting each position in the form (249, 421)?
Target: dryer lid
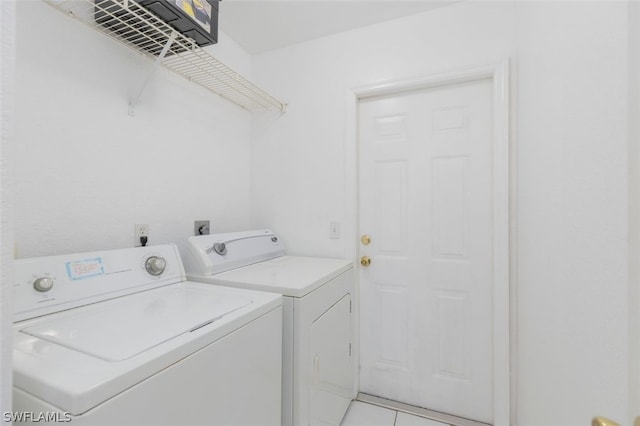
(294, 276)
(120, 329)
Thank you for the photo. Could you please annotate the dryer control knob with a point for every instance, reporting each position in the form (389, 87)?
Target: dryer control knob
(220, 248)
(43, 284)
(155, 265)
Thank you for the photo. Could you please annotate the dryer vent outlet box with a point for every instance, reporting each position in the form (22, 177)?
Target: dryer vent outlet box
(196, 19)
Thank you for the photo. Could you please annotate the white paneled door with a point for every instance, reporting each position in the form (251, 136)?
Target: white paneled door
(426, 205)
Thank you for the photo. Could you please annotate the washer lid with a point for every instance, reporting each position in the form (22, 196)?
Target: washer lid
(129, 326)
(293, 276)
(76, 382)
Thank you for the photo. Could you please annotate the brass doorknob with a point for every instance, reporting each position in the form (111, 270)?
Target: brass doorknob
(365, 240)
(365, 261)
(603, 421)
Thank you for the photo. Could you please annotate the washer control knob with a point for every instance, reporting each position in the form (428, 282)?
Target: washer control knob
(220, 248)
(43, 284)
(155, 265)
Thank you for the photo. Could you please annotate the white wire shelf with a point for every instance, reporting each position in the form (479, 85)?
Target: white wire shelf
(134, 26)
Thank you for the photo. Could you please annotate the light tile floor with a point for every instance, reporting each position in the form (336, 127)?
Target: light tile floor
(363, 414)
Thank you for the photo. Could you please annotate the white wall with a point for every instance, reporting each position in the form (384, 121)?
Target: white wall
(634, 209)
(570, 108)
(572, 166)
(7, 62)
(86, 172)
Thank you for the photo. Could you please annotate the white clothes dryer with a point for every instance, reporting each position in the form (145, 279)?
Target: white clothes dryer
(120, 337)
(318, 368)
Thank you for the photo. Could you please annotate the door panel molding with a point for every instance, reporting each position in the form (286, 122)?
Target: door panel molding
(504, 214)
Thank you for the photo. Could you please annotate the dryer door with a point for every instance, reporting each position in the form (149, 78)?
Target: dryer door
(331, 366)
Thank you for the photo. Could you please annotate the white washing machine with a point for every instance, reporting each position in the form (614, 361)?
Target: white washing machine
(318, 360)
(119, 337)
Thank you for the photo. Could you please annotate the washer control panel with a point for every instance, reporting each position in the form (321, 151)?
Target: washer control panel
(50, 284)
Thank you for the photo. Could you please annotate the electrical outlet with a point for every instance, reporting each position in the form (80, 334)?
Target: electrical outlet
(201, 227)
(139, 231)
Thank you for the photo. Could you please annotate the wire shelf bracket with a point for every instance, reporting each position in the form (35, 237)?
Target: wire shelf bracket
(156, 64)
(137, 28)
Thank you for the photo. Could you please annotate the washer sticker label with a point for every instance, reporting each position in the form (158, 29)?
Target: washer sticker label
(81, 269)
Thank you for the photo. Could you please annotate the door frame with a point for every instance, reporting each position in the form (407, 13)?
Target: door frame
(503, 182)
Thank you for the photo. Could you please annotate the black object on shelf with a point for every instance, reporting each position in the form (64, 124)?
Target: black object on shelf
(196, 19)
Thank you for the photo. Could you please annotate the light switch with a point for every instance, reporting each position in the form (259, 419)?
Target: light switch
(334, 230)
